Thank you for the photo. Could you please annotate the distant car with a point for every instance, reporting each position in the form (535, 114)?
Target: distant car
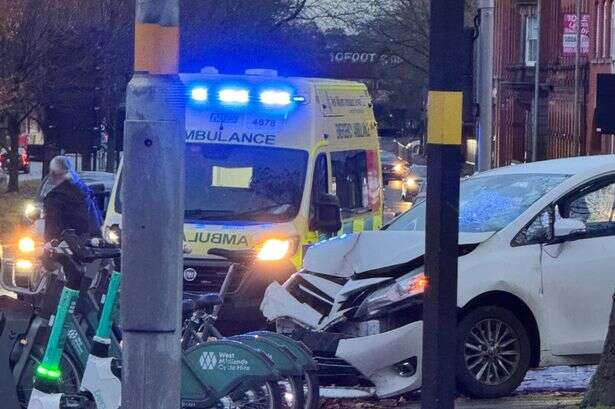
(393, 168)
(411, 187)
(24, 160)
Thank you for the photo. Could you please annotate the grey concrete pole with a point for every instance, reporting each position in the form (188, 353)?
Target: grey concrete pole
(485, 84)
(153, 204)
(535, 127)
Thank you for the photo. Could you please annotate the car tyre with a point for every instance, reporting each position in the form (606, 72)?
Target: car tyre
(493, 353)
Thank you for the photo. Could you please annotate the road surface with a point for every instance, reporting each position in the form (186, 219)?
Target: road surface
(36, 170)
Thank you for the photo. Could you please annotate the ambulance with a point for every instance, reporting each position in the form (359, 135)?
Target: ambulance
(271, 162)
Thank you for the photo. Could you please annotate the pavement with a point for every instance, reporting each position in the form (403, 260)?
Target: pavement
(563, 401)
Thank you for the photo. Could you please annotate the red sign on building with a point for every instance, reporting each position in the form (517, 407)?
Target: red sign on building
(570, 34)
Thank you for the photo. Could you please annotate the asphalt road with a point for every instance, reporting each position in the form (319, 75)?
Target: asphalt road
(393, 204)
(36, 169)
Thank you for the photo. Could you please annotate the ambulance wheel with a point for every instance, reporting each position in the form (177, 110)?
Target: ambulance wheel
(69, 383)
(493, 353)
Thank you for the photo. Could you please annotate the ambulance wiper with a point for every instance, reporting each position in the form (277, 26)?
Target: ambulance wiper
(202, 214)
(273, 210)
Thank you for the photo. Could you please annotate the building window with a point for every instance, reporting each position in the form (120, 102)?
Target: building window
(606, 32)
(531, 39)
(599, 27)
(613, 31)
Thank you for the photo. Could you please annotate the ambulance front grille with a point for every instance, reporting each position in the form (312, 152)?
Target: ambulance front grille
(209, 278)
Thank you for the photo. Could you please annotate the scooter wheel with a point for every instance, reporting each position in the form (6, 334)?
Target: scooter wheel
(69, 383)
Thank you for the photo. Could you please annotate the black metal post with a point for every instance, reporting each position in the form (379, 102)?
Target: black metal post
(442, 230)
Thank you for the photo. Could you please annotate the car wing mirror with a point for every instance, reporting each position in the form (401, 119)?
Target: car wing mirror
(566, 229)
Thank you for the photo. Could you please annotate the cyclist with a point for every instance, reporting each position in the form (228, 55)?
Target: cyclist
(70, 204)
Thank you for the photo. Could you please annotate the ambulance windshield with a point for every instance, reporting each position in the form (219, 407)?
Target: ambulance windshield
(239, 182)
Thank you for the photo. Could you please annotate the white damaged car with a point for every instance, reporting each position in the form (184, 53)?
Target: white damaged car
(536, 276)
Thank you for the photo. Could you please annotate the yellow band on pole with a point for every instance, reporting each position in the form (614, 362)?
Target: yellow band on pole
(156, 49)
(444, 117)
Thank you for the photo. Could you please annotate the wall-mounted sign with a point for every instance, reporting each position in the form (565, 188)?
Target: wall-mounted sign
(570, 34)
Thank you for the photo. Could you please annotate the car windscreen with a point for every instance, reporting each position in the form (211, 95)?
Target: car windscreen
(236, 182)
(487, 203)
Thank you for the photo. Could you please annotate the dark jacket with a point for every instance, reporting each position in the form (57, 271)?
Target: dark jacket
(71, 205)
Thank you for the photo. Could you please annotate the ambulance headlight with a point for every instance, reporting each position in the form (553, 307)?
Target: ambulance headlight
(234, 96)
(199, 94)
(399, 291)
(275, 97)
(277, 249)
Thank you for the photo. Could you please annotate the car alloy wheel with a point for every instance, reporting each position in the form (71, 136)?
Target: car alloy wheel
(492, 351)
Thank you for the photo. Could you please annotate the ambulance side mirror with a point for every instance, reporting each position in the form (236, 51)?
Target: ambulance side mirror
(327, 214)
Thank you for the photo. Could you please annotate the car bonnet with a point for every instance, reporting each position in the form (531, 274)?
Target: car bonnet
(374, 252)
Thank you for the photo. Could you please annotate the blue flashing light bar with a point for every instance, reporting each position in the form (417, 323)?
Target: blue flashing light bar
(234, 96)
(275, 97)
(199, 94)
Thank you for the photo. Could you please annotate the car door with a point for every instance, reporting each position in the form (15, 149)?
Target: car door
(579, 274)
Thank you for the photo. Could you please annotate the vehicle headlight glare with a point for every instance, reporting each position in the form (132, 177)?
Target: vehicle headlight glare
(410, 182)
(24, 266)
(275, 250)
(113, 234)
(30, 210)
(26, 245)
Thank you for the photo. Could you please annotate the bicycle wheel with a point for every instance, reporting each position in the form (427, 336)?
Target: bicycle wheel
(264, 396)
(292, 392)
(69, 382)
(311, 390)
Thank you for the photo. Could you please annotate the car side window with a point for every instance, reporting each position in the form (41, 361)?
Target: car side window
(539, 230)
(350, 176)
(593, 205)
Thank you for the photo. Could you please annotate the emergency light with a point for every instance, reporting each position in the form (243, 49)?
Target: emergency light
(275, 97)
(199, 94)
(234, 96)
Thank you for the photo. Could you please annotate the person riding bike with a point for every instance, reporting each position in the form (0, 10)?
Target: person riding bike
(70, 204)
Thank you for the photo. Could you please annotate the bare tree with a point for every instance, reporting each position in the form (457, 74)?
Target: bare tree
(36, 40)
(601, 393)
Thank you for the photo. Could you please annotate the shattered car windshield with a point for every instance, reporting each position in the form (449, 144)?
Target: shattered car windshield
(488, 203)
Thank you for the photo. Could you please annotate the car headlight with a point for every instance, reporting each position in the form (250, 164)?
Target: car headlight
(24, 266)
(26, 245)
(277, 249)
(408, 287)
(32, 211)
(113, 234)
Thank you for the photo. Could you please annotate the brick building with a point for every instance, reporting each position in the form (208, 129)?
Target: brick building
(601, 62)
(516, 38)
